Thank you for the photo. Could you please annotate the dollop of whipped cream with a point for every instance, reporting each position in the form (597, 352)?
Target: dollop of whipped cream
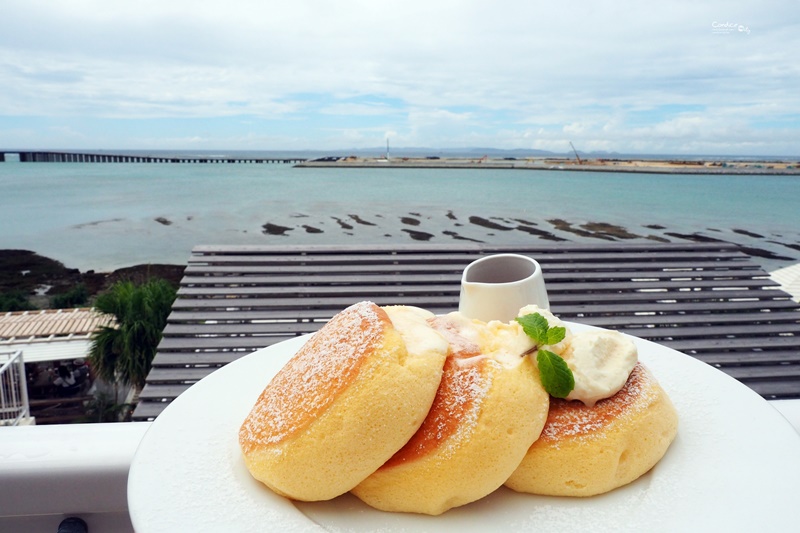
(601, 362)
(501, 341)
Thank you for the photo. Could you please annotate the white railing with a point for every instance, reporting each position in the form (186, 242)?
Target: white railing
(51, 472)
(48, 473)
(14, 408)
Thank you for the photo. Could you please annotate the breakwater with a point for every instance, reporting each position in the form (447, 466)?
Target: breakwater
(83, 157)
(635, 166)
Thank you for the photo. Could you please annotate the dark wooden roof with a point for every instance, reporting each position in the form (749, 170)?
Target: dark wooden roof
(707, 300)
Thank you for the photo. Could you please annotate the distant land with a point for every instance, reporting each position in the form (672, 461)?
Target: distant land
(495, 153)
(410, 152)
(576, 163)
(472, 158)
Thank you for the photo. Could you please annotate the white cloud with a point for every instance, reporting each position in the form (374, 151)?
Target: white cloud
(350, 108)
(434, 72)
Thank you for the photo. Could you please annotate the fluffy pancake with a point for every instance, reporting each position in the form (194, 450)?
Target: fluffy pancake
(345, 403)
(487, 412)
(584, 451)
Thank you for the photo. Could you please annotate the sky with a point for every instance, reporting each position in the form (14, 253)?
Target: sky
(717, 77)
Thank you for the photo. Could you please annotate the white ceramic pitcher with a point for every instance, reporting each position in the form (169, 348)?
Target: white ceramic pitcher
(496, 287)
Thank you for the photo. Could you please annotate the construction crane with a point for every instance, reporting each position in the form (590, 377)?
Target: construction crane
(576, 154)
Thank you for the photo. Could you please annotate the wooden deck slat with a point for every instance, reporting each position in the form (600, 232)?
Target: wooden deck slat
(737, 331)
(763, 372)
(172, 375)
(688, 307)
(389, 278)
(191, 315)
(708, 300)
(149, 409)
(310, 302)
(179, 330)
(371, 258)
(158, 391)
(294, 291)
(191, 358)
(738, 312)
(233, 343)
(449, 248)
(555, 292)
(742, 343)
(370, 265)
(750, 357)
(341, 298)
(660, 330)
(399, 249)
(743, 318)
(242, 289)
(554, 269)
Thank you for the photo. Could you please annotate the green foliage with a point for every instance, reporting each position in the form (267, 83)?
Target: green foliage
(124, 352)
(537, 328)
(556, 376)
(14, 301)
(103, 408)
(75, 297)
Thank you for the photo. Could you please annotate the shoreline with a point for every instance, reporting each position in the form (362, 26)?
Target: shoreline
(42, 277)
(636, 166)
(48, 272)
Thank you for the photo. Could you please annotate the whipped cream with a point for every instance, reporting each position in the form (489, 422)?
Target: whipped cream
(601, 362)
(412, 324)
(501, 341)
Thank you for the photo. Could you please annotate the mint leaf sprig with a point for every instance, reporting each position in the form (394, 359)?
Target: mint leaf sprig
(557, 378)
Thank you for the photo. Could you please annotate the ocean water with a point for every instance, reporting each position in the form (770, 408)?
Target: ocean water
(103, 216)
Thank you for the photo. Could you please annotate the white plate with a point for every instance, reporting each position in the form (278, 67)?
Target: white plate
(734, 466)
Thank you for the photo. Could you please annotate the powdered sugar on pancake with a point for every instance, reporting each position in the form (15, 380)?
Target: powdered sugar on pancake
(573, 419)
(315, 376)
(455, 410)
(458, 401)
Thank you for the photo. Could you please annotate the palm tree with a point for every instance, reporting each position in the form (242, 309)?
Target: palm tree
(124, 351)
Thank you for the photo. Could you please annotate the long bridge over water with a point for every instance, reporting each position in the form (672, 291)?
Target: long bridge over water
(82, 157)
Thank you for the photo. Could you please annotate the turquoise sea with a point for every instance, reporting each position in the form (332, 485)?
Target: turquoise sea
(103, 216)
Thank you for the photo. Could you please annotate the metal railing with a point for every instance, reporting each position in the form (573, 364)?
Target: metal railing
(14, 407)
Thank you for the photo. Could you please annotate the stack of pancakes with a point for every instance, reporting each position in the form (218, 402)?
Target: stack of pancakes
(416, 413)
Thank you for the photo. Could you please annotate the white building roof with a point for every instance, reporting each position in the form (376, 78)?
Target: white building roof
(39, 352)
(52, 334)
